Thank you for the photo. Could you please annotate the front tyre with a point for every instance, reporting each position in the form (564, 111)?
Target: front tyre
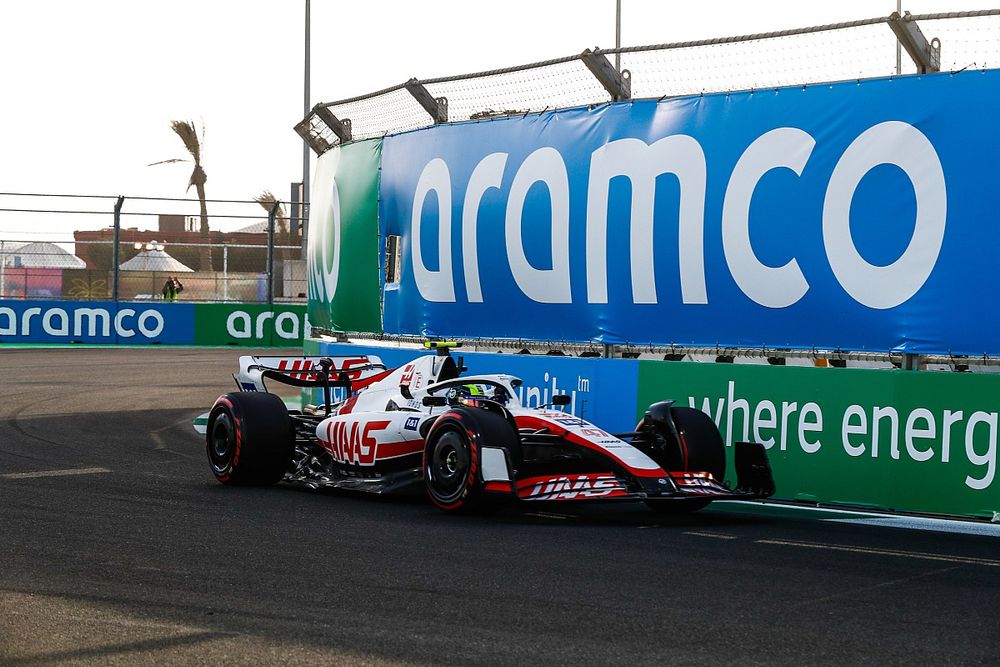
(250, 439)
(700, 449)
(452, 465)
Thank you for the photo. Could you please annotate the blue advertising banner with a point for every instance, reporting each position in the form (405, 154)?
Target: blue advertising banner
(847, 216)
(602, 391)
(96, 322)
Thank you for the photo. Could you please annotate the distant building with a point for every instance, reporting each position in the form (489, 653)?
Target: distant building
(181, 234)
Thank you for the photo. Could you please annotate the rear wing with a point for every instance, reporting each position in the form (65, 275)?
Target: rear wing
(325, 371)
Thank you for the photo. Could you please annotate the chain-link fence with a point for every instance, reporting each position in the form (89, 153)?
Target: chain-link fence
(866, 48)
(146, 248)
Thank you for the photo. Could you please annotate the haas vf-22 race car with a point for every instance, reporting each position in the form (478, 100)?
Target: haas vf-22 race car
(466, 439)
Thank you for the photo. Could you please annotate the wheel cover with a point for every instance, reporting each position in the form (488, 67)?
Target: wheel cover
(448, 466)
(221, 443)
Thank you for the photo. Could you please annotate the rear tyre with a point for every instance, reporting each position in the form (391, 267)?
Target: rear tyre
(701, 450)
(452, 457)
(250, 439)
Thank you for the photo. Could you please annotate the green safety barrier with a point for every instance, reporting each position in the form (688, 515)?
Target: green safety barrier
(895, 440)
(344, 249)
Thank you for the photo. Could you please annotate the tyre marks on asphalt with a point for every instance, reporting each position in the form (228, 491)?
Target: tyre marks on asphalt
(68, 472)
(159, 444)
(856, 592)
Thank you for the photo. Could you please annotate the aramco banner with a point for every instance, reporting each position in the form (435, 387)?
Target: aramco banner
(344, 251)
(848, 216)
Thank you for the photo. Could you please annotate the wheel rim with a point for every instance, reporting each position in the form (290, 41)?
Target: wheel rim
(221, 443)
(448, 467)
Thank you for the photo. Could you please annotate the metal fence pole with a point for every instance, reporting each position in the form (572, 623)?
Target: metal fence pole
(271, 215)
(115, 251)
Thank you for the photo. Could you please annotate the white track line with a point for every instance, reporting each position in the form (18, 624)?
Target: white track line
(934, 525)
(53, 473)
(870, 518)
(945, 558)
(717, 536)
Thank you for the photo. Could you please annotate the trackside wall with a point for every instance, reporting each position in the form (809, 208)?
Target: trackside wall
(891, 440)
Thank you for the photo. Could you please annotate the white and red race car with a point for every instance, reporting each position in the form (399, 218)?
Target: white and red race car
(466, 439)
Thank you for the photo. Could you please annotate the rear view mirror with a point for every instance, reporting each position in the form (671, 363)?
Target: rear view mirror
(561, 399)
(435, 401)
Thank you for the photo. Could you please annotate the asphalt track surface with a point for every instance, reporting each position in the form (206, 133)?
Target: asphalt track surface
(141, 557)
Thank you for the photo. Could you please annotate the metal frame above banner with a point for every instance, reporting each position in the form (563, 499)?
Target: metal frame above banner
(330, 123)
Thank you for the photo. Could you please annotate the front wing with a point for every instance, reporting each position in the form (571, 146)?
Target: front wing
(754, 481)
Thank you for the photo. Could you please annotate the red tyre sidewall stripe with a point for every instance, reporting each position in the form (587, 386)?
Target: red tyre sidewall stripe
(684, 449)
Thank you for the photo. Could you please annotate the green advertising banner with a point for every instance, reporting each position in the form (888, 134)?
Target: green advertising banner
(343, 260)
(253, 325)
(898, 440)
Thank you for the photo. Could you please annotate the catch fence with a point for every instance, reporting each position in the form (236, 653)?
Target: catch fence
(111, 248)
(861, 49)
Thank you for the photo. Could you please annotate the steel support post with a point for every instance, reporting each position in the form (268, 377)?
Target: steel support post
(925, 55)
(271, 216)
(910, 362)
(618, 84)
(116, 250)
(339, 126)
(225, 273)
(436, 108)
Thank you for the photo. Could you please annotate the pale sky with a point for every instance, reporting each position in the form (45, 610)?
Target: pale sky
(90, 88)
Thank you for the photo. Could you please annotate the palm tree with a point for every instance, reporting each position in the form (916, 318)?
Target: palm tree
(266, 199)
(185, 129)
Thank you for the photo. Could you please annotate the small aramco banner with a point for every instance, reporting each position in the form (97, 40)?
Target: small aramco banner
(138, 323)
(255, 325)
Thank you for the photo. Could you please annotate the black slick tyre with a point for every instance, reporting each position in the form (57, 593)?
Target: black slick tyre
(700, 449)
(250, 439)
(452, 464)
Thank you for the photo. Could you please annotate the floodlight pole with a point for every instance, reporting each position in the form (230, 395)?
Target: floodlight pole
(305, 146)
(899, 46)
(618, 35)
